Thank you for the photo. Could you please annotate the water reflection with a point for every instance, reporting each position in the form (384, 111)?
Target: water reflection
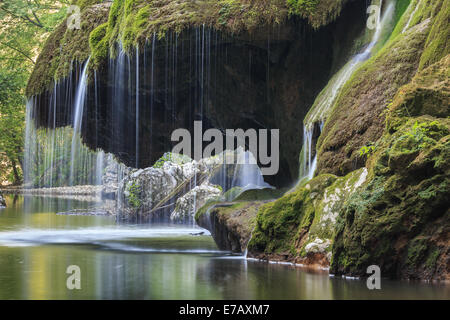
(155, 262)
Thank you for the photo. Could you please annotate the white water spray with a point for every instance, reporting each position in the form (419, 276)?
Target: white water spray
(78, 117)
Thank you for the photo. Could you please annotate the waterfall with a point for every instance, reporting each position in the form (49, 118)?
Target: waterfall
(247, 174)
(308, 162)
(411, 17)
(137, 106)
(99, 167)
(78, 118)
(55, 156)
(328, 96)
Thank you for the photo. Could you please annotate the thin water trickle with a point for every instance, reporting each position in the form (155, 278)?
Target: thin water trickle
(78, 117)
(411, 16)
(327, 98)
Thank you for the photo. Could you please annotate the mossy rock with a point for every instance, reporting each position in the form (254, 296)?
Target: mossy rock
(427, 93)
(358, 116)
(260, 194)
(399, 218)
(285, 227)
(64, 47)
(105, 25)
(231, 224)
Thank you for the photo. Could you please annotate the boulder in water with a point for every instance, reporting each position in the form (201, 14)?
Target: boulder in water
(187, 205)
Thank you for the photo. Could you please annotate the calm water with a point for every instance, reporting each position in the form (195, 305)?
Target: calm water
(152, 262)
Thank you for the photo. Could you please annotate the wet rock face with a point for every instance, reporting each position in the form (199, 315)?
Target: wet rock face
(400, 219)
(267, 79)
(167, 190)
(230, 224)
(113, 174)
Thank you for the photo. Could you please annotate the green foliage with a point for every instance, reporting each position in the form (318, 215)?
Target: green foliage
(366, 150)
(134, 191)
(24, 23)
(171, 157)
(302, 7)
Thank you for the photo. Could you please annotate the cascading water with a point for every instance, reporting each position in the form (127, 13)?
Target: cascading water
(56, 156)
(411, 16)
(247, 174)
(78, 117)
(328, 96)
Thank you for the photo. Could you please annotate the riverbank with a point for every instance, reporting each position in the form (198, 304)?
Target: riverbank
(87, 190)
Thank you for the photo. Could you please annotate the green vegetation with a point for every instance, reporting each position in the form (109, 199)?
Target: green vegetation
(24, 24)
(133, 192)
(403, 201)
(179, 159)
(357, 119)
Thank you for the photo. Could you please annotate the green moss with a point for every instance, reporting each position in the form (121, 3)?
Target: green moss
(356, 119)
(280, 224)
(98, 44)
(260, 194)
(427, 93)
(64, 46)
(134, 195)
(302, 6)
(437, 45)
(232, 193)
(171, 157)
(402, 15)
(388, 222)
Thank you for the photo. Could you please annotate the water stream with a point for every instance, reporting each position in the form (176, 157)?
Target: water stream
(328, 96)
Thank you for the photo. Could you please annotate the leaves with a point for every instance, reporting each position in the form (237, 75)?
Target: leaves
(25, 24)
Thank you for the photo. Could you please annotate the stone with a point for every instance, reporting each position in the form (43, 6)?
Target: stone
(187, 205)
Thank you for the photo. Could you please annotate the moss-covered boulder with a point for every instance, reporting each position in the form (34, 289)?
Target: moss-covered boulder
(357, 118)
(299, 227)
(400, 220)
(427, 93)
(64, 47)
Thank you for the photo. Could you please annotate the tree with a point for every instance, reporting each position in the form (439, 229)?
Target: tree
(25, 24)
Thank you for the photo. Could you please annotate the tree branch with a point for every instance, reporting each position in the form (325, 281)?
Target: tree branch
(18, 50)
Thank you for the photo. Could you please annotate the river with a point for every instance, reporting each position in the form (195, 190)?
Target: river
(151, 262)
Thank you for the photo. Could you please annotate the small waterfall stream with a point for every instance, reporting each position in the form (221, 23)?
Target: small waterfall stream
(78, 117)
(411, 16)
(327, 98)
